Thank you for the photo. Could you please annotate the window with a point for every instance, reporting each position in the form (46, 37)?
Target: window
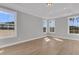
(44, 25)
(7, 23)
(52, 25)
(74, 25)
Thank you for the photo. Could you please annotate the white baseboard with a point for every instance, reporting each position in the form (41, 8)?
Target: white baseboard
(63, 37)
(19, 42)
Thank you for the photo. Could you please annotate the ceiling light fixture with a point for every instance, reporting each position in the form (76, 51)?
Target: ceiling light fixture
(49, 8)
(49, 3)
(64, 8)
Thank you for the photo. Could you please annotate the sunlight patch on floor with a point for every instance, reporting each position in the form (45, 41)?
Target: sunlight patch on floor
(47, 39)
(1, 51)
(57, 39)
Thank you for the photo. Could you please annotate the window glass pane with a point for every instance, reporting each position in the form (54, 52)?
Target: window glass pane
(7, 24)
(52, 25)
(74, 25)
(44, 25)
(44, 29)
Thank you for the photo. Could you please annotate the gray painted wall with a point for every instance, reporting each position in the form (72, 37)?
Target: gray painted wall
(28, 27)
(61, 29)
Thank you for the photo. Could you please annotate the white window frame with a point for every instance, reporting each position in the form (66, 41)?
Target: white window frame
(68, 26)
(49, 26)
(46, 27)
(10, 11)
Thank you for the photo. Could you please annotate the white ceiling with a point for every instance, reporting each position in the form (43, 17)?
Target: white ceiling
(44, 11)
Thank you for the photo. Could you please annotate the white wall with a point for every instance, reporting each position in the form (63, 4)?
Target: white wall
(61, 29)
(28, 27)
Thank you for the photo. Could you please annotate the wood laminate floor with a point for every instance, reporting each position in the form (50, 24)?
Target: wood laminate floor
(44, 46)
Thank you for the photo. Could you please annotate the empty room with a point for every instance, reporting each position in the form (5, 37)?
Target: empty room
(39, 28)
